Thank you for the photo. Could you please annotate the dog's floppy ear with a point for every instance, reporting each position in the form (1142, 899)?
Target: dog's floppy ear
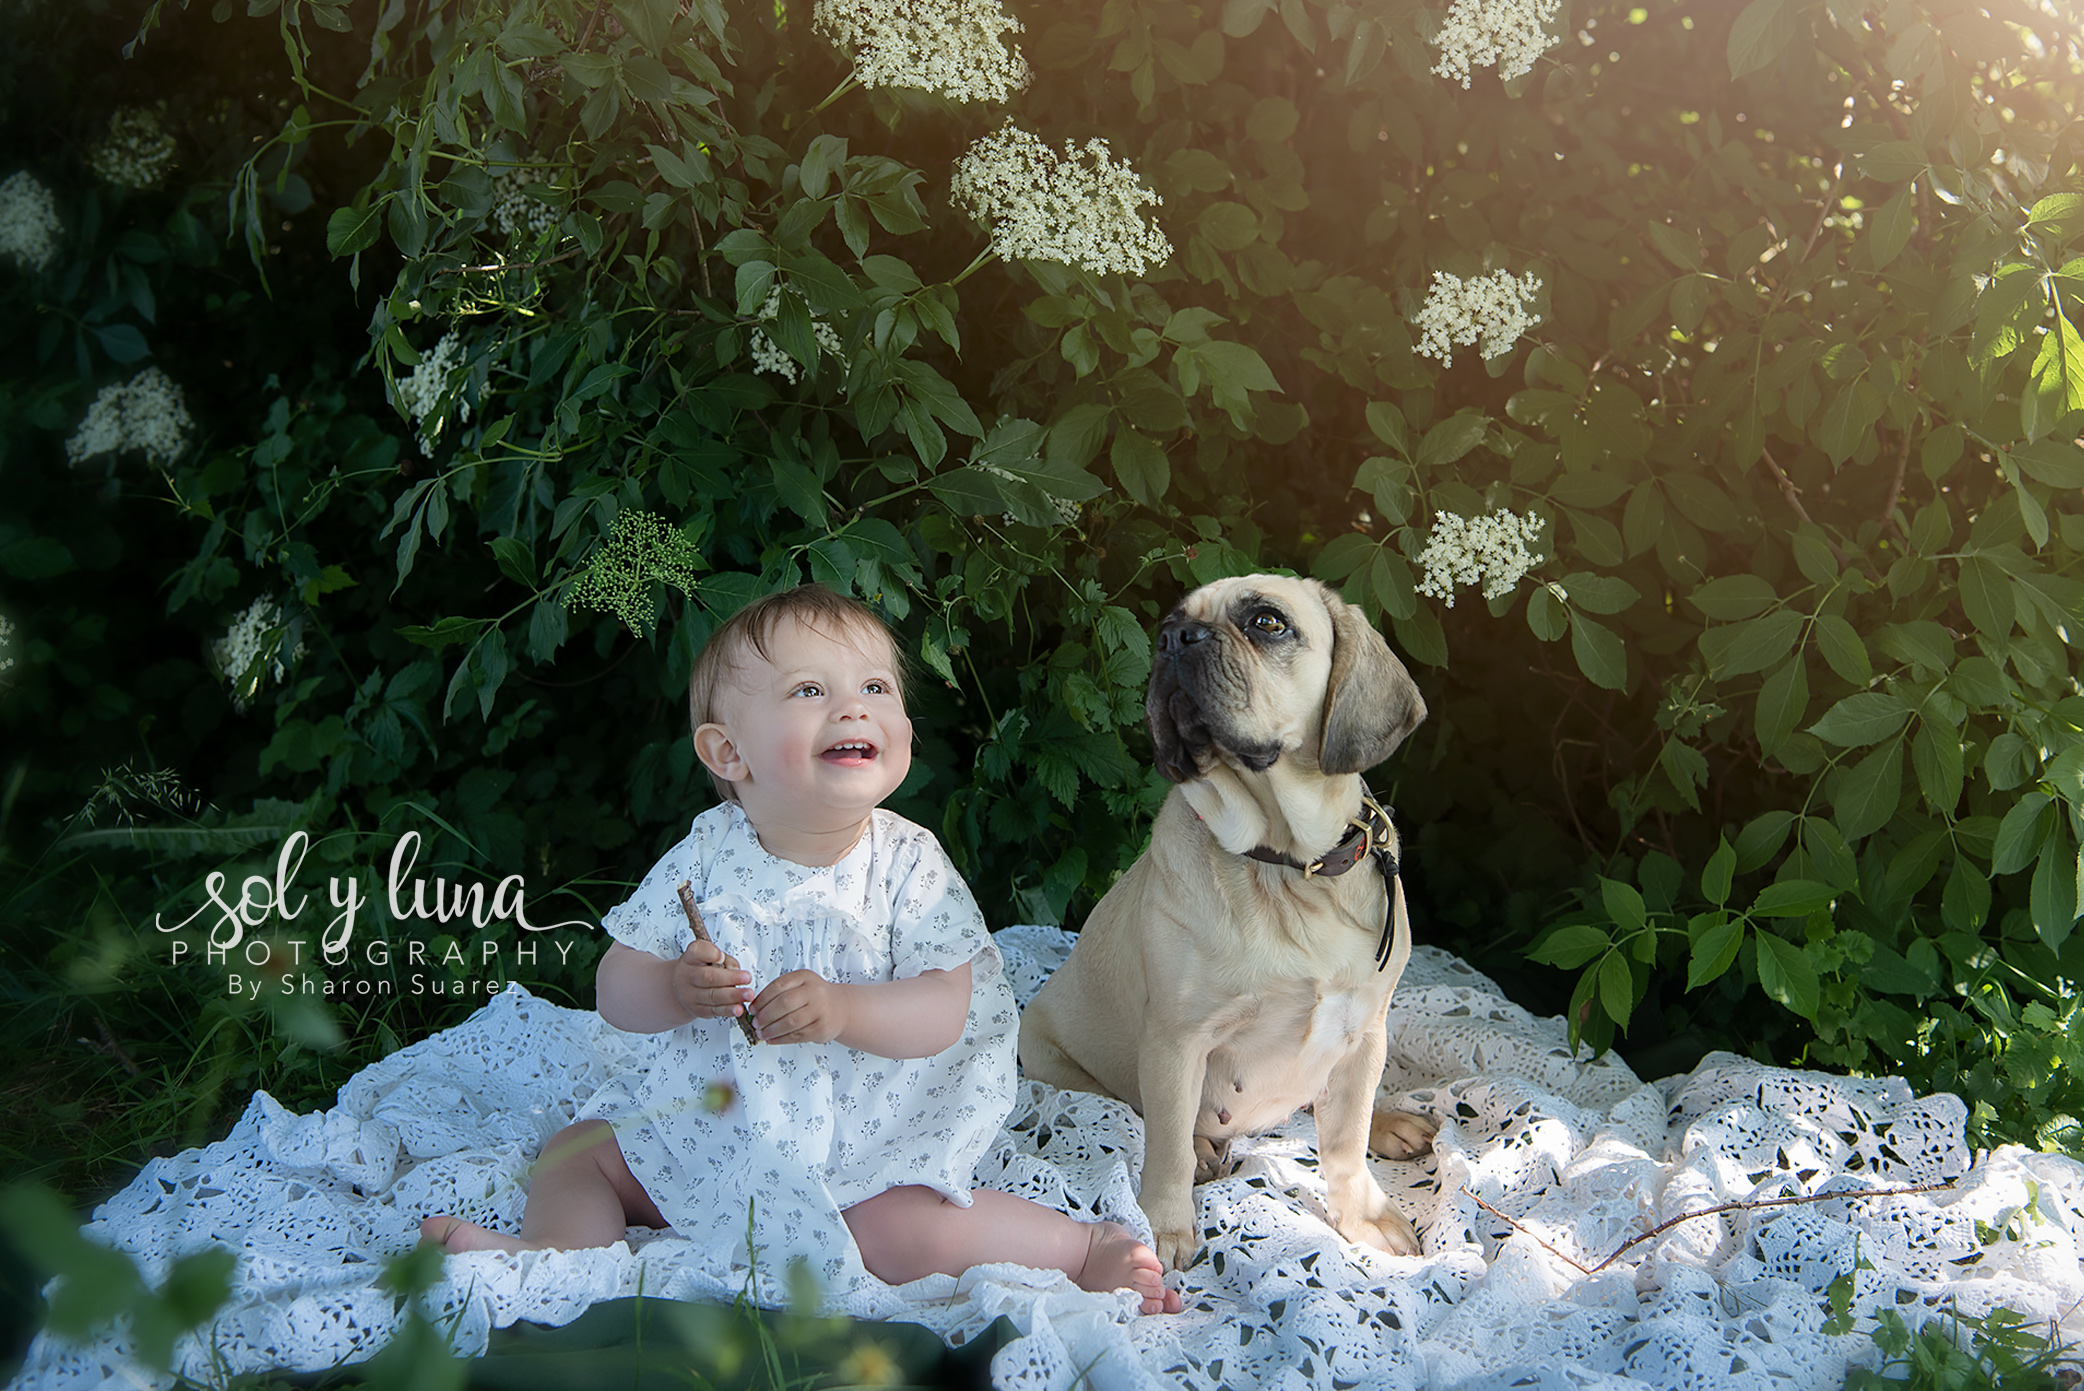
(1371, 704)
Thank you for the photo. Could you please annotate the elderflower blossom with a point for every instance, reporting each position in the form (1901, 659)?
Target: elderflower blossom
(135, 152)
(6, 643)
(953, 47)
(1066, 510)
(244, 655)
(641, 550)
(28, 222)
(1493, 308)
(422, 390)
(1491, 550)
(147, 413)
(767, 357)
(514, 210)
(1042, 208)
(1509, 33)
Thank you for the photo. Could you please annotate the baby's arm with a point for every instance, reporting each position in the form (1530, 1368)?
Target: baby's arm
(916, 1017)
(644, 994)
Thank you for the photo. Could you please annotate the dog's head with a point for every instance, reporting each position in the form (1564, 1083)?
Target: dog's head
(1258, 668)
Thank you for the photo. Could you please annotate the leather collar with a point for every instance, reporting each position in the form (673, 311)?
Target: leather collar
(1369, 831)
(1372, 834)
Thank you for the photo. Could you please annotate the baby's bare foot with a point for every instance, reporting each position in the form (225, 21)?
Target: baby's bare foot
(1116, 1260)
(455, 1234)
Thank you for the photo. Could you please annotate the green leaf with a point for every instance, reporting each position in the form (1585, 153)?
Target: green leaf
(447, 631)
(1782, 701)
(1623, 904)
(2053, 897)
(1965, 905)
(1451, 439)
(1600, 654)
(353, 229)
(1869, 794)
(1616, 988)
(1235, 367)
(1714, 950)
(1842, 649)
(1570, 947)
(1752, 645)
(1388, 424)
(1891, 227)
(2057, 386)
(1893, 161)
(1717, 874)
(1935, 753)
(1866, 717)
(1761, 839)
(1141, 466)
(1599, 593)
(1733, 597)
(1786, 973)
(1761, 32)
(1986, 596)
(1792, 898)
(2022, 833)
(1546, 614)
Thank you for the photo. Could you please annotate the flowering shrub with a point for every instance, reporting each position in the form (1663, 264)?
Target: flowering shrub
(954, 47)
(147, 414)
(1765, 733)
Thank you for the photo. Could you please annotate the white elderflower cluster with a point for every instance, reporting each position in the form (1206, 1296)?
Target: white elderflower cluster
(249, 638)
(135, 151)
(515, 212)
(1489, 550)
(954, 47)
(6, 643)
(1493, 308)
(1509, 33)
(1042, 208)
(147, 413)
(421, 390)
(768, 357)
(28, 222)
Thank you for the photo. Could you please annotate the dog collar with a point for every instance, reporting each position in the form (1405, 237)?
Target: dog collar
(1372, 834)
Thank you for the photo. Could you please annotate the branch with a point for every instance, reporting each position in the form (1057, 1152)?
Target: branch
(1669, 1223)
(1887, 515)
(1788, 489)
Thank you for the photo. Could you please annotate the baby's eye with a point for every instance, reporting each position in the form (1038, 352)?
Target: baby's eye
(809, 688)
(877, 687)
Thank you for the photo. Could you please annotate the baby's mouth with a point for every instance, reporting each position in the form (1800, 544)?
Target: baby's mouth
(852, 752)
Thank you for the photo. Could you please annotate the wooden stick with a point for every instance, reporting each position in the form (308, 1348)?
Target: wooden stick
(1669, 1223)
(694, 920)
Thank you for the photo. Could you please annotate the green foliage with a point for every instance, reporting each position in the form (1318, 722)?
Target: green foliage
(1957, 1352)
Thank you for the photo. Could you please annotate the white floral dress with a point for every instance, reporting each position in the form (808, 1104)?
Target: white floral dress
(809, 1129)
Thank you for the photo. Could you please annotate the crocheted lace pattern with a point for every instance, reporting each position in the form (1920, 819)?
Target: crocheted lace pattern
(1581, 1154)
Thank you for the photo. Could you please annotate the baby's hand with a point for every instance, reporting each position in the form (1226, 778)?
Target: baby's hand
(708, 984)
(801, 1007)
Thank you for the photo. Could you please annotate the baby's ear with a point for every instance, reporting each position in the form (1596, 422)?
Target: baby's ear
(713, 745)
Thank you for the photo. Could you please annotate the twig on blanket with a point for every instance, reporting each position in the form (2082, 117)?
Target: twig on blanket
(1671, 1222)
(694, 920)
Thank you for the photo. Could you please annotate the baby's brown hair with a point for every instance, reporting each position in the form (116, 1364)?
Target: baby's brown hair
(812, 605)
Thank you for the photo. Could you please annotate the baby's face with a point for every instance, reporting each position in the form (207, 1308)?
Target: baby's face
(819, 727)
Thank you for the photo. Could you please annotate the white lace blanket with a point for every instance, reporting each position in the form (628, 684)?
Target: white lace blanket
(1582, 1155)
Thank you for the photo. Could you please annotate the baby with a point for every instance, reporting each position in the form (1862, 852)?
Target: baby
(885, 1062)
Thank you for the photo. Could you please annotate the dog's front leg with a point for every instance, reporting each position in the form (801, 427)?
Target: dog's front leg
(1360, 1210)
(1168, 1079)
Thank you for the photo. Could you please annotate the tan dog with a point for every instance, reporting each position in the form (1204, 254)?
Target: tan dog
(1216, 993)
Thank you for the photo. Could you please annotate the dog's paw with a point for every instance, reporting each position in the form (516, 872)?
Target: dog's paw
(1176, 1248)
(1388, 1232)
(1211, 1159)
(1400, 1135)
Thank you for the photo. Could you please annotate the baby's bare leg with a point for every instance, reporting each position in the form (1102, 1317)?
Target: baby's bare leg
(910, 1232)
(581, 1194)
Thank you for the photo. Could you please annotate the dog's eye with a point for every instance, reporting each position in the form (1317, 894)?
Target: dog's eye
(1269, 622)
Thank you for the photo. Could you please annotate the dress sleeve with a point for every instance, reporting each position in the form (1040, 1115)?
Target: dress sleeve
(938, 924)
(651, 919)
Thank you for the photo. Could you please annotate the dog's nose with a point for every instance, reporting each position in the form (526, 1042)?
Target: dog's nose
(1177, 633)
